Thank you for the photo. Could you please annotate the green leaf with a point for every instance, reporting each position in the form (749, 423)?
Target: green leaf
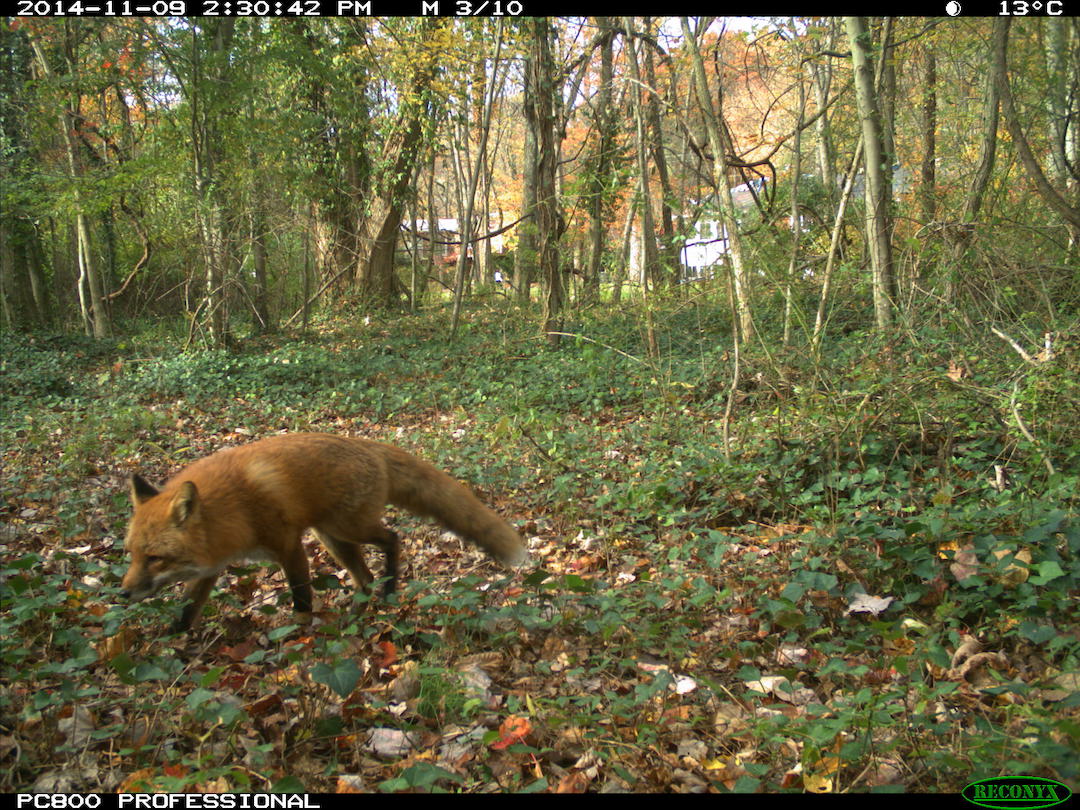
(210, 677)
(149, 672)
(288, 784)
(281, 632)
(537, 577)
(575, 583)
(425, 774)
(1037, 633)
(199, 697)
(341, 677)
(1048, 570)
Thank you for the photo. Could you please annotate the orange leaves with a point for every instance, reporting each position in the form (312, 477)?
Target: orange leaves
(147, 780)
(513, 730)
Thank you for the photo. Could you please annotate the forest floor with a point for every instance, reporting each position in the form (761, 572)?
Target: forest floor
(864, 579)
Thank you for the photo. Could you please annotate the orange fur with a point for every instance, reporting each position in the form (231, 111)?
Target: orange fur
(256, 501)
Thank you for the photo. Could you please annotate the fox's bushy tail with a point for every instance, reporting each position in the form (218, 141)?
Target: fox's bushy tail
(421, 488)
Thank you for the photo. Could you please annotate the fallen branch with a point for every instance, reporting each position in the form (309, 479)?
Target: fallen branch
(1016, 346)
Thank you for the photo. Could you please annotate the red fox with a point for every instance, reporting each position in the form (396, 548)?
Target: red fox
(255, 501)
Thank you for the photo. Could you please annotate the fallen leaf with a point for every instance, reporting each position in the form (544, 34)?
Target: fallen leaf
(864, 603)
(817, 783)
(573, 782)
(138, 782)
(513, 730)
(350, 783)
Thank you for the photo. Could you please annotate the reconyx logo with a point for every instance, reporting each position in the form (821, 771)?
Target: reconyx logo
(1016, 793)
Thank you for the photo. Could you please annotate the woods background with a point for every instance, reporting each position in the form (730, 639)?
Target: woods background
(230, 175)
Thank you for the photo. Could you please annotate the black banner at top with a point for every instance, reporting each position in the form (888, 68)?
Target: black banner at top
(510, 8)
(284, 8)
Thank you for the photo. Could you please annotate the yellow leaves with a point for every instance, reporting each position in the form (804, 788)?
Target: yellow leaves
(109, 648)
(1013, 574)
(967, 563)
(817, 783)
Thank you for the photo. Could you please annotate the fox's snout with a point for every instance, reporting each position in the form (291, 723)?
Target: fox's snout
(132, 595)
(134, 591)
(144, 580)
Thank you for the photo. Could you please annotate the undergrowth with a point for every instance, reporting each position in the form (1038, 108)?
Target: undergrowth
(787, 604)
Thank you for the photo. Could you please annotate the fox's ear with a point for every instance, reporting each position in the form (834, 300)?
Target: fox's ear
(184, 503)
(141, 489)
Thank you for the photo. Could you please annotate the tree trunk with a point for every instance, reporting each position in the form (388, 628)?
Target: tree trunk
(335, 141)
(210, 100)
(650, 258)
(379, 234)
(94, 311)
(669, 250)
(928, 167)
(1058, 36)
(260, 289)
(488, 91)
(22, 285)
(548, 217)
(834, 243)
(433, 227)
(715, 129)
(624, 256)
(527, 253)
(599, 182)
(877, 191)
(822, 75)
(796, 230)
(885, 89)
(1051, 196)
(980, 180)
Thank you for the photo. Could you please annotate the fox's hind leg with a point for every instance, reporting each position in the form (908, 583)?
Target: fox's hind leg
(346, 548)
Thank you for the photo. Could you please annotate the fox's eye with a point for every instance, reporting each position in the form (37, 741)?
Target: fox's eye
(153, 559)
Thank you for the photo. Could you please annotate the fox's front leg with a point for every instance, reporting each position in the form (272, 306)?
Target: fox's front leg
(297, 571)
(195, 597)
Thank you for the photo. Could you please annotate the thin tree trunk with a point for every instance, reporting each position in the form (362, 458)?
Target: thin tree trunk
(627, 232)
(414, 247)
(598, 190)
(796, 231)
(834, 244)
(885, 90)
(1057, 38)
(260, 292)
(548, 217)
(94, 312)
(525, 257)
(210, 86)
(495, 79)
(928, 168)
(958, 238)
(656, 141)
(822, 75)
(715, 130)
(433, 221)
(878, 192)
(650, 259)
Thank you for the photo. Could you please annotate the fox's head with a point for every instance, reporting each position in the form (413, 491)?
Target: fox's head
(162, 538)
